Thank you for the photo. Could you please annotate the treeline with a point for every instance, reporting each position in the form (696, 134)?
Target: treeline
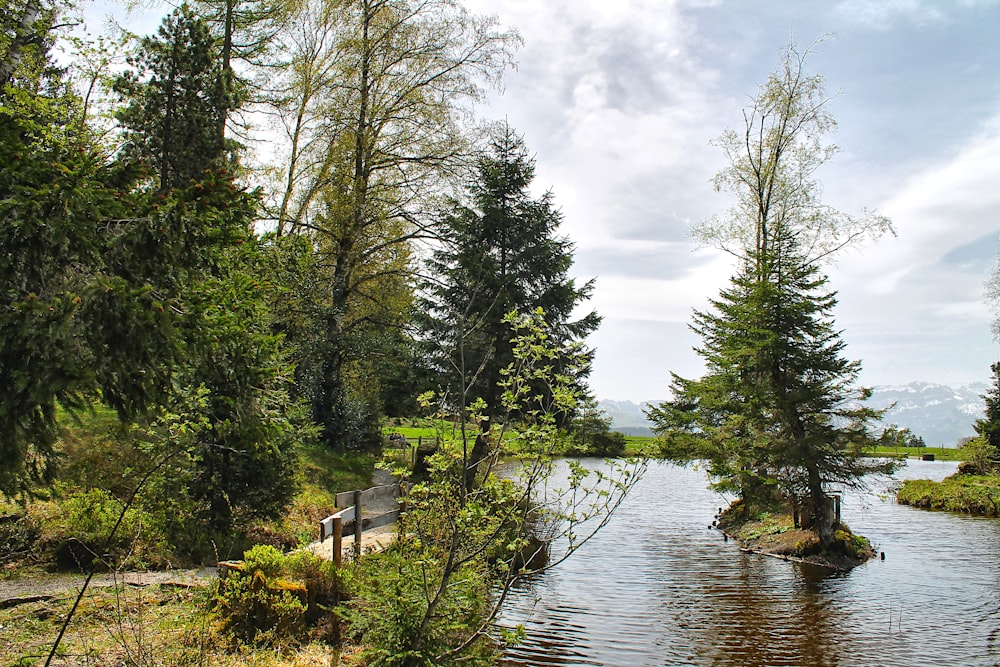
(229, 307)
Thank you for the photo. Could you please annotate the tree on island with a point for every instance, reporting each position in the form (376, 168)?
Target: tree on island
(777, 415)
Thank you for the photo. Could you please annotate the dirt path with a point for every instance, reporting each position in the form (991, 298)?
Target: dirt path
(14, 590)
(55, 585)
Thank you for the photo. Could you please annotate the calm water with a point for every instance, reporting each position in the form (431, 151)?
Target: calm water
(656, 587)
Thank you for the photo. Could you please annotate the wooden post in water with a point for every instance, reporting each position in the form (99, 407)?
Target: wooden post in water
(338, 542)
(358, 523)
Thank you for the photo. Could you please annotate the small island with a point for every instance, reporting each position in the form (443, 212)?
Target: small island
(790, 536)
(975, 486)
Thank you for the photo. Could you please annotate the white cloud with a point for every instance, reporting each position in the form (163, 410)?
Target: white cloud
(662, 300)
(883, 14)
(608, 94)
(936, 211)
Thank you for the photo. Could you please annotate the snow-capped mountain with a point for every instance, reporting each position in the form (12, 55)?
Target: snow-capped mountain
(940, 414)
(627, 416)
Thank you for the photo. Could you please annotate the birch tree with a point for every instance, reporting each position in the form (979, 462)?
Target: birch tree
(380, 94)
(777, 413)
(771, 172)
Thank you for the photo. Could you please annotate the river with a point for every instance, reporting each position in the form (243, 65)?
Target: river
(657, 587)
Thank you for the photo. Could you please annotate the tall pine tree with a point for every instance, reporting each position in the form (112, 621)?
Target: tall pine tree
(500, 253)
(176, 99)
(777, 413)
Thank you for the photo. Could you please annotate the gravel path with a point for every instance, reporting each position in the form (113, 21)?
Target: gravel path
(13, 590)
(19, 589)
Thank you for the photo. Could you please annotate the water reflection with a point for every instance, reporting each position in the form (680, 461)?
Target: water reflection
(658, 588)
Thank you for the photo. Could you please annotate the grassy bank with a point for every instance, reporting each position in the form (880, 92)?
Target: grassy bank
(649, 446)
(940, 453)
(971, 494)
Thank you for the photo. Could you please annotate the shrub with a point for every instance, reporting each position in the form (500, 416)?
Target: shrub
(390, 617)
(980, 454)
(18, 535)
(80, 533)
(272, 599)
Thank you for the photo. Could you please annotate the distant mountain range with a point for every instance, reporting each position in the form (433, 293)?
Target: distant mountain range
(940, 414)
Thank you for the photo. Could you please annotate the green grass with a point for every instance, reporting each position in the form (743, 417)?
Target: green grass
(940, 453)
(336, 472)
(415, 429)
(638, 445)
(971, 494)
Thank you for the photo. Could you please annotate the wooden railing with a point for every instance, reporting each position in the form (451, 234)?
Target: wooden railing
(351, 520)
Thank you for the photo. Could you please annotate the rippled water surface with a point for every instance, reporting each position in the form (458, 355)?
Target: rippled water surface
(657, 587)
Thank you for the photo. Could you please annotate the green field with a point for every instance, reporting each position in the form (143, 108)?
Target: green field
(940, 453)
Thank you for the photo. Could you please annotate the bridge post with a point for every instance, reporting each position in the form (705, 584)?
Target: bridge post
(338, 542)
(358, 523)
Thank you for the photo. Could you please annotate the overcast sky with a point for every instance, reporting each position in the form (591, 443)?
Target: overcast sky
(620, 99)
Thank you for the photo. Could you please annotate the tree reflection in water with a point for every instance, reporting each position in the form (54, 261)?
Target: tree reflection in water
(658, 588)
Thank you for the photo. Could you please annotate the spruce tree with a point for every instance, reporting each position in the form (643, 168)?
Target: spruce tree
(500, 253)
(777, 413)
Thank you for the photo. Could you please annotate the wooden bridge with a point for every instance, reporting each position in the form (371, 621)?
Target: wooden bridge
(378, 510)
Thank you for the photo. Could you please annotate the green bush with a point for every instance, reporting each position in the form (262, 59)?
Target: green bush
(980, 454)
(607, 445)
(390, 618)
(80, 536)
(272, 599)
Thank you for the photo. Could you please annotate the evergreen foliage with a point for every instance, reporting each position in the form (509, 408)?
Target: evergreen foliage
(176, 99)
(210, 262)
(500, 253)
(988, 427)
(777, 414)
(56, 188)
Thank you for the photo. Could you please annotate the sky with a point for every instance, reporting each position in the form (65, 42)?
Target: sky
(620, 100)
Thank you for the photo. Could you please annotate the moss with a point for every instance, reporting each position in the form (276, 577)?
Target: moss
(851, 545)
(772, 532)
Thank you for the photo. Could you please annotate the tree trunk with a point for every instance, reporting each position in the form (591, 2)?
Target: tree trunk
(476, 456)
(26, 33)
(822, 509)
